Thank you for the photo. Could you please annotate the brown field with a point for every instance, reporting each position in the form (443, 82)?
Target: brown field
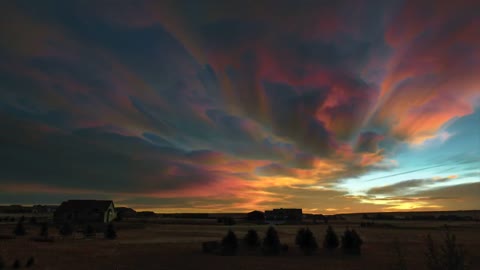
(178, 246)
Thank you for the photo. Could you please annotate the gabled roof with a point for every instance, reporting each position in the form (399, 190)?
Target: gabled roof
(84, 205)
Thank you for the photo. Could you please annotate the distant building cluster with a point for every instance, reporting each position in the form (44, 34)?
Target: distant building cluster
(277, 216)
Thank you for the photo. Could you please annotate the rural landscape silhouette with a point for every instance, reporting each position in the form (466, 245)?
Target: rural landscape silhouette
(240, 134)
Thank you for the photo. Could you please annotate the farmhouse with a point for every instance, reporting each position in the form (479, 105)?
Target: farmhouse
(284, 215)
(85, 211)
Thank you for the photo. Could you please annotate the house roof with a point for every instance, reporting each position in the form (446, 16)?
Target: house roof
(84, 205)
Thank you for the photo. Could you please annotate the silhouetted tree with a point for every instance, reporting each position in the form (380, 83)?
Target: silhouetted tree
(110, 232)
(66, 229)
(450, 255)
(306, 241)
(229, 243)
(251, 238)
(351, 242)
(331, 239)
(44, 230)
(2, 263)
(30, 262)
(89, 231)
(16, 264)
(271, 242)
(19, 229)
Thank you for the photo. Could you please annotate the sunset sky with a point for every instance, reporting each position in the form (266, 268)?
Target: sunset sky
(232, 106)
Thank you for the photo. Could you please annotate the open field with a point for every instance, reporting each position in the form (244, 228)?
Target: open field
(169, 246)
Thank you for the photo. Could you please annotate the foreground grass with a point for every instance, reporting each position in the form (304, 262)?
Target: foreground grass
(157, 246)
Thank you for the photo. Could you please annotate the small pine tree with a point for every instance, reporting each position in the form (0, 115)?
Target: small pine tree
(19, 229)
(251, 239)
(358, 240)
(30, 262)
(331, 239)
(271, 242)
(66, 229)
(89, 231)
(351, 242)
(16, 264)
(110, 232)
(229, 243)
(44, 230)
(306, 241)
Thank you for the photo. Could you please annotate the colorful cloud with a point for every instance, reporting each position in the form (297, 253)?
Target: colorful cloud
(216, 106)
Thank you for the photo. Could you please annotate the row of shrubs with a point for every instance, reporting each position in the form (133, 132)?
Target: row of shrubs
(17, 264)
(271, 245)
(65, 230)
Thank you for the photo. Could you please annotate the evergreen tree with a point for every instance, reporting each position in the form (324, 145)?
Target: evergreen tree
(229, 243)
(351, 242)
(306, 241)
(251, 238)
(331, 239)
(271, 242)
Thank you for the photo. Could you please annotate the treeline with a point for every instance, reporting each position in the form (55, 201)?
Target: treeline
(270, 245)
(65, 230)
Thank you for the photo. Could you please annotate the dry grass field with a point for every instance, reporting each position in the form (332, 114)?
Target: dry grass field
(178, 246)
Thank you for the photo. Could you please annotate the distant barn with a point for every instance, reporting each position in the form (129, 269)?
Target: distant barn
(85, 211)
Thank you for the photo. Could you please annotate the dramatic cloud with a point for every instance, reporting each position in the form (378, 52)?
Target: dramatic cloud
(406, 187)
(232, 106)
